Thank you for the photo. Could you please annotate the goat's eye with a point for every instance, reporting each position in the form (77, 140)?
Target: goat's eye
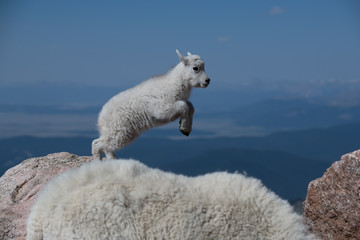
(196, 69)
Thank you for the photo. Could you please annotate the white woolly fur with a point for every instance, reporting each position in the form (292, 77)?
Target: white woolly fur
(124, 199)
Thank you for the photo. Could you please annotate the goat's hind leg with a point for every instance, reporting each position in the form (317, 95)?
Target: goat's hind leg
(97, 148)
(110, 154)
(117, 141)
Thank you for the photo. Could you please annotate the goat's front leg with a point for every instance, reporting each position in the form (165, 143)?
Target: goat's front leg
(186, 117)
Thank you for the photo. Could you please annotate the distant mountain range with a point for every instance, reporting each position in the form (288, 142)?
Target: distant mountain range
(284, 161)
(288, 114)
(254, 108)
(256, 119)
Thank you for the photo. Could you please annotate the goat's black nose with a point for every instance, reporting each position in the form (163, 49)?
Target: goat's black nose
(207, 80)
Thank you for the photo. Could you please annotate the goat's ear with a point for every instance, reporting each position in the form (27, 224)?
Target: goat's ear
(181, 57)
(189, 54)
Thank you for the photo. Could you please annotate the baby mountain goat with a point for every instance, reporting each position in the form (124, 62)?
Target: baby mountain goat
(155, 102)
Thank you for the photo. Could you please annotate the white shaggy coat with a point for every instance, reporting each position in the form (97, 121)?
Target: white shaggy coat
(124, 199)
(155, 102)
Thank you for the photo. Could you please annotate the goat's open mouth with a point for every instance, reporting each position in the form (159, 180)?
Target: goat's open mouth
(204, 85)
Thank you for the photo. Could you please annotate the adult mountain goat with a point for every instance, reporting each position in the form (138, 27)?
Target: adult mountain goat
(124, 199)
(155, 102)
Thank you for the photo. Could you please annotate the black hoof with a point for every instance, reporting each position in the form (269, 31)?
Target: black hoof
(185, 133)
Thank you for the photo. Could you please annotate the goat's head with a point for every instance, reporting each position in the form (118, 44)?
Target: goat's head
(194, 70)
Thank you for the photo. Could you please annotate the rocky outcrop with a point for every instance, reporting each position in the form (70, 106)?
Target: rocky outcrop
(20, 185)
(332, 205)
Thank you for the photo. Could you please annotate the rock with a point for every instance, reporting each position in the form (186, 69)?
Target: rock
(20, 185)
(332, 205)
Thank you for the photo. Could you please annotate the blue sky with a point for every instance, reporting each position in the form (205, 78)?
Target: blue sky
(121, 43)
